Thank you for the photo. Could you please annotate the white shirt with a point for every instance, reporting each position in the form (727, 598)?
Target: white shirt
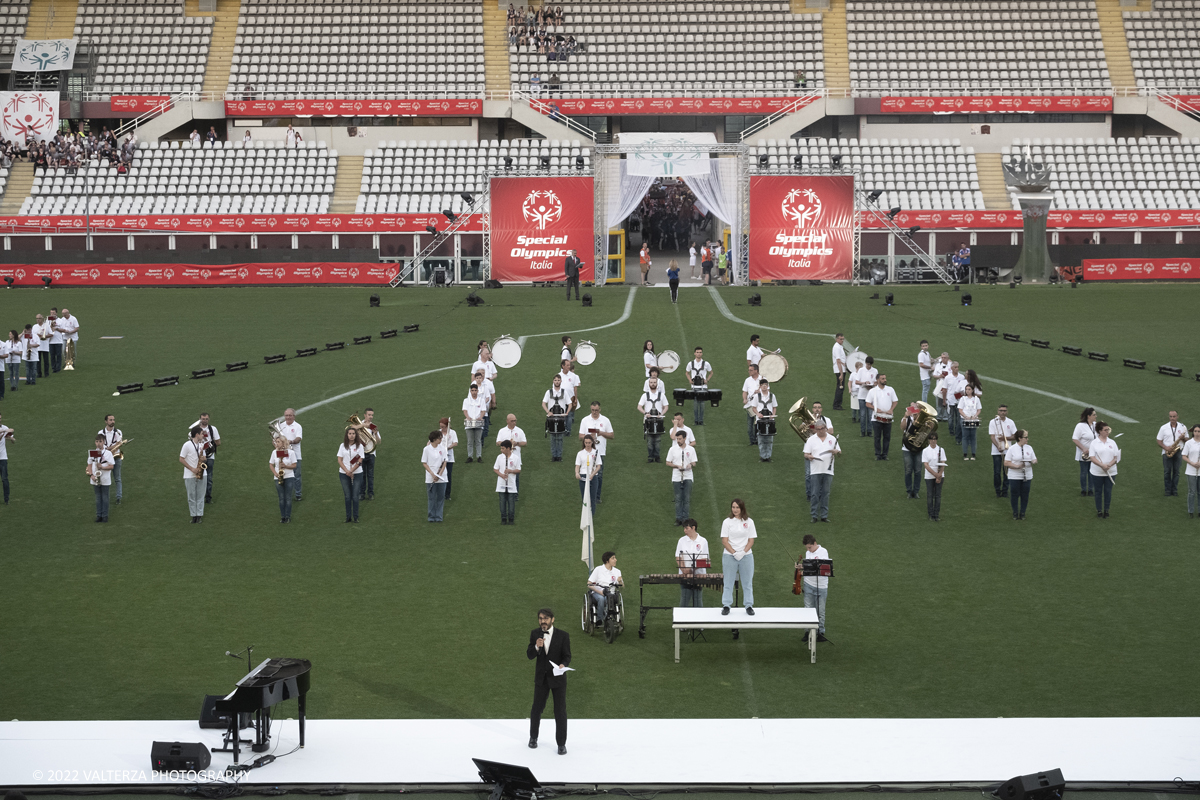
(754, 354)
(1191, 449)
(190, 453)
(692, 550)
(953, 384)
(698, 370)
(683, 457)
(692, 256)
(935, 457)
(749, 388)
(969, 407)
(603, 576)
(29, 347)
(1016, 454)
(110, 437)
(4, 442)
(940, 371)
(293, 431)
(600, 424)
(208, 434)
(691, 437)
(70, 327)
(434, 458)
(513, 434)
(487, 390)
(654, 401)
(764, 405)
(1002, 430)
(476, 407)
(560, 397)
(739, 532)
(565, 355)
(828, 423)
(819, 554)
(587, 462)
(924, 364)
(55, 331)
(1104, 451)
(824, 450)
(649, 360)
(881, 399)
(6, 352)
(505, 463)
(275, 460)
(489, 368)
(449, 440)
(570, 381)
(865, 381)
(348, 454)
(1169, 437)
(105, 474)
(839, 354)
(1085, 432)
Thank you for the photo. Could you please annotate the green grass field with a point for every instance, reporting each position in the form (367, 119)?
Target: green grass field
(1064, 615)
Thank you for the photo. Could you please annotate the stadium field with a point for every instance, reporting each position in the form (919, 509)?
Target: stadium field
(1062, 615)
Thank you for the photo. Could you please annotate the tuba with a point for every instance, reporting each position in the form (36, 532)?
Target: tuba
(801, 420)
(276, 428)
(920, 427)
(366, 436)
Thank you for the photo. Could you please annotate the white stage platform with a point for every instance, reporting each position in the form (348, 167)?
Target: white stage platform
(627, 752)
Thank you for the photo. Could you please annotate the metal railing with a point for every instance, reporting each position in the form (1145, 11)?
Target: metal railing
(544, 107)
(479, 206)
(870, 205)
(135, 123)
(790, 108)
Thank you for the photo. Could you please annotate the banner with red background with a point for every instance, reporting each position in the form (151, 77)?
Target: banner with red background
(1066, 219)
(1141, 269)
(139, 103)
(989, 104)
(237, 223)
(602, 106)
(433, 107)
(199, 274)
(535, 224)
(801, 227)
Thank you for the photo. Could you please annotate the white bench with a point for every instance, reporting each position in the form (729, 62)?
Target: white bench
(804, 619)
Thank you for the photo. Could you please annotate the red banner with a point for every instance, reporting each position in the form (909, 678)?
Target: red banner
(1139, 269)
(673, 105)
(239, 223)
(139, 103)
(1189, 103)
(199, 274)
(1011, 220)
(535, 224)
(354, 108)
(801, 227)
(990, 104)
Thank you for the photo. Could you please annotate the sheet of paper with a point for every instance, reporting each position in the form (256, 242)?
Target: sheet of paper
(561, 670)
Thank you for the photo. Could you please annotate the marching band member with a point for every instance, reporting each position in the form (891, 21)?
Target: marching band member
(5, 351)
(969, 409)
(587, 465)
(566, 354)
(515, 435)
(737, 540)
(211, 440)
(924, 369)
(283, 464)
(881, 402)
(601, 430)
(839, 370)
(487, 392)
(368, 482)
(818, 416)
(952, 392)
(29, 354)
(764, 409)
(1084, 435)
(56, 341)
(294, 432)
(755, 353)
(1104, 455)
(474, 409)
(816, 587)
(653, 406)
(699, 372)
(681, 458)
(1002, 432)
(1019, 460)
(508, 472)
(555, 403)
(933, 459)
(677, 425)
(10, 358)
(433, 460)
(648, 358)
(484, 364)
(70, 329)
(6, 433)
(42, 334)
(99, 470)
(1170, 438)
(191, 455)
(941, 368)
(112, 436)
(690, 551)
(912, 459)
(449, 442)
(570, 382)
(749, 389)
(350, 471)
(820, 451)
(864, 379)
(1191, 455)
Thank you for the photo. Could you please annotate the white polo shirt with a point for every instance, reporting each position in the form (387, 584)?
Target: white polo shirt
(698, 370)
(749, 388)
(865, 378)
(1169, 437)
(293, 431)
(560, 397)
(692, 551)
(924, 364)
(514, 434)
(505, 463)
(449, 442)
(684, 456)
(764, 405)
(935, 457)
(587, 462)
(839, 354)
(1105, 451)
(56, 336)
(476, 407)
(190, 453)
(600, 424)
(348, 454)
(1016, 454)
(953, 384)
(739, 532)
(434, 458)
(105, 457)
(754, 354)
(603, 576)
(4, 429)
(570, 380)
(275, 461)
(1006, 429)
(1085, 432)
(691, 437)
(70, 327)
(654, 402)
(207, 435)
(881, 399)
(487, 390)
(820, 554)
(969, 406)
(824, 452)
(488, 367)
(1191, 449)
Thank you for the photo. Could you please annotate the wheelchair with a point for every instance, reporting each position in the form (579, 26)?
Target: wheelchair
(614, 621)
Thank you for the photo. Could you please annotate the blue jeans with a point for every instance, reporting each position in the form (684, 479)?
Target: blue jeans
(912, 472)
(955, 424)
(1085, 475)
(1172, 467)
(1193, 483)
(1000, 475)
(351, 486)
(508, 506)
(765, 446)
(691, 596)
(571, 422)
(738, 570)
(1102, 485)
(601, 606)
(819, 502)
(969, 437)
(208, 487)
(698, 411)
(284, 490)
(807, 479)
(683, 499)
(31, 372)
(1019, 496)
(814, 597)
(296, 479)
(101, 501)
(933, 497)
(595, 490)
(116, 478)
(368, 484)
(56, 357)
(556, 445)
(652, 446)
(752, 427)
(14, 375)
(864, 418)
(925, 390)
(4, 477)
(437, 499)
(449, 478)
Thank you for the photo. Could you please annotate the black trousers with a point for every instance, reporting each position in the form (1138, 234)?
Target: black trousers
(540, 692)
(43, 369)
(573, 282)
(883, 438)
(839, 387)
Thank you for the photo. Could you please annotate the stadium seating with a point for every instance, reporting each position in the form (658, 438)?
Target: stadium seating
(924, 174)
(384, 49)
(976, 47)
(1119, 173)
(230, 179)
(146, 47)
(1164, 43)
(420, 177)
(721, 48)
(13, 16)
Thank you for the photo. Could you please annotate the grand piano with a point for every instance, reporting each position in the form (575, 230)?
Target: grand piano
(271, 682)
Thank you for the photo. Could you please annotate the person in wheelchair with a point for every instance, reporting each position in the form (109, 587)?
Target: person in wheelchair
(604, 576)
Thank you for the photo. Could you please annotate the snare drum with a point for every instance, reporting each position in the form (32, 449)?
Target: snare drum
(970, 423)
(681, 395)
(773, 367)
(585, 353)
(654, 426)
(765, 426)
(668, 361)
(471, 424)
(506, 352)
(556, 425)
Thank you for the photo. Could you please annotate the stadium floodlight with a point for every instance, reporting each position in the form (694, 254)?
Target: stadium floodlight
(913, 230)
(892, 214)
(467, 199)
(875, 195)
(450, 215)
(763, 161)
(432, 230)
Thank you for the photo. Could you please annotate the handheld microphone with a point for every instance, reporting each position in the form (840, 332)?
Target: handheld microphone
(232, 655)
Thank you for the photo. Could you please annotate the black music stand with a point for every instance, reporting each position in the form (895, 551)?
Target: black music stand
(817, 568)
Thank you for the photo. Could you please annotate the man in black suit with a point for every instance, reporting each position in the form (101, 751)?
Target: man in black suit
(550, 647)
(572, 269)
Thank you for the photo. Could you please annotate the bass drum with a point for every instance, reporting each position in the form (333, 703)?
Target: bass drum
(773, 367)
(585, 353)
(668, 361)
(506, 352)
(854, 358)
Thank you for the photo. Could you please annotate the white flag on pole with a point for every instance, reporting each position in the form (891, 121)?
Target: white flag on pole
(585, 523)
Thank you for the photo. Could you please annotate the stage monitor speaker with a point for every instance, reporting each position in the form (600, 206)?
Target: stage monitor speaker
(492, 283)
(186, 756)
(210, 719)
(1046, 785)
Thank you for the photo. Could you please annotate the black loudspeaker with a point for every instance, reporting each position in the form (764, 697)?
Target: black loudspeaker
(187, 756)
(492, 283)
(210, 719)
(374, 301)
(1046, 785)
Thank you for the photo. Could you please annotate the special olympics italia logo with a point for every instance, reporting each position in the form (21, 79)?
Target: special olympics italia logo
(542, 208)
(802, 207)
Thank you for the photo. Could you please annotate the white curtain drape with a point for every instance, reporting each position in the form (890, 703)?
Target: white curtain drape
(718, 191)
(624, 191)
